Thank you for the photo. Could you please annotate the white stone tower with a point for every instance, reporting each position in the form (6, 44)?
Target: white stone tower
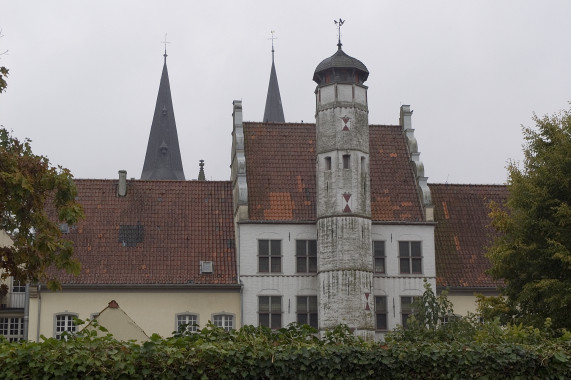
(345, 262)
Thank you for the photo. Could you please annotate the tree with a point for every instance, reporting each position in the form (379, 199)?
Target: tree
(533, 252)
(35, 197)
(3, 72)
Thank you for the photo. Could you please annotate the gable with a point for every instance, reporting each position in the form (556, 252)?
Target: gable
(281, 164)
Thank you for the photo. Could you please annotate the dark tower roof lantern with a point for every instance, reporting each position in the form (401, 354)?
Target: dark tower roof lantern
(340, 67)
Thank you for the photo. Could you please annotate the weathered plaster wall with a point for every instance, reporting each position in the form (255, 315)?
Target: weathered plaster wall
(153, 311)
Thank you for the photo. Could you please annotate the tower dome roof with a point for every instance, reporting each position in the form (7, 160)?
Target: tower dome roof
(340, 60)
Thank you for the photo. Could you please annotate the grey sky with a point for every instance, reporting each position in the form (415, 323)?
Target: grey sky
(84, 75)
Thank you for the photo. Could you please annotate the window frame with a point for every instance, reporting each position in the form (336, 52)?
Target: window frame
(189, 328)
(67, 324)
(381, 312)
(225, 318)
(409, 310)
(307, 312)
(270, 257)
(409, 258)
(12, 328)
(18, 286)
(307, 258)
(270, 313)
(379, 258)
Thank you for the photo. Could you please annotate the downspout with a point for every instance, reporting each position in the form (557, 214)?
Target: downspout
(39, 311)
(26, 311)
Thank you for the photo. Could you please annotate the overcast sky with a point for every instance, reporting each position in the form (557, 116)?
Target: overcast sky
(84, 75)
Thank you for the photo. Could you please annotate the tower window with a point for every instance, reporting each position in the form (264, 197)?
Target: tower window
(363, 165)
(327, 163)
(346, 161)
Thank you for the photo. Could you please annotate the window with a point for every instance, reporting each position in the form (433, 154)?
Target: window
(270, 311)
(18, 287)
(269, 256)
(327, 163)
(226, 321)
(12, 328)
(379, 256)
(406, 308)
(307, 311)
(346, 161)
(306, 256)
(381, 312)
(410, 257)
(363, 166)
(189, 321)
(64, 323)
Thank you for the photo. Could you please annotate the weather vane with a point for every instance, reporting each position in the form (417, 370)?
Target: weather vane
(339, 24)
(272, 38)
(165, 42)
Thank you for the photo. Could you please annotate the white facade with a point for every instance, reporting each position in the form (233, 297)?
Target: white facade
(288, 283)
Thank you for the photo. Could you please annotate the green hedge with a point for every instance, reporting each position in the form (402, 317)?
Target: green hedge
(255, 358)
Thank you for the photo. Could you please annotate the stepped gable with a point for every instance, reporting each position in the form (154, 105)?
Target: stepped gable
(280, 161)
(157, 234)
(463, 232)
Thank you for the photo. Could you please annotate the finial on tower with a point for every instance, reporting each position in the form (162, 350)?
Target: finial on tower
(165, 42)
(339, 24)
(272, 38)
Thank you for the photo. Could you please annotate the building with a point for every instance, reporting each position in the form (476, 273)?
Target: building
(333, 220)
(320, 223)
(161, 247)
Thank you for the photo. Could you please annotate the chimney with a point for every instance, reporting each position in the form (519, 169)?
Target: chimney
(122, 189)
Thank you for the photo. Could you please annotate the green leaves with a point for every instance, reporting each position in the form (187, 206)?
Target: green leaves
(34, 198)
(533, 254)
(249, 355)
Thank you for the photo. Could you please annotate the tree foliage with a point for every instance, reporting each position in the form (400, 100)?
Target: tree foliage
(533, 253)
(3, 75)
(29, 187)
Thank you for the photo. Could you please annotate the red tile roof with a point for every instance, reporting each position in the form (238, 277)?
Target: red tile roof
(183, 223)
(463, 232)
(394, 192)
(280, 169)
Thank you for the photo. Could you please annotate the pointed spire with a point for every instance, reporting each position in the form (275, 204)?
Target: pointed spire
(274, 112)
(163, 160)
(201, 176)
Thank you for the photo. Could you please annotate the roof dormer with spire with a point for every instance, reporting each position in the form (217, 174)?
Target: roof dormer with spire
(163, 160)
(274, 112)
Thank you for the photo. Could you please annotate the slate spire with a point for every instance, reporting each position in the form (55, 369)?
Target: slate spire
(274, 112)
(163, 160)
